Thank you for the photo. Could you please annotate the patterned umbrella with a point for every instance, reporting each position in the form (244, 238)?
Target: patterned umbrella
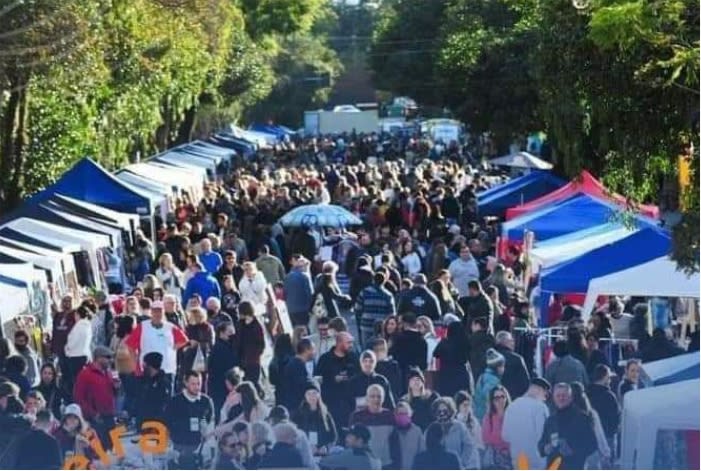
(320, 215)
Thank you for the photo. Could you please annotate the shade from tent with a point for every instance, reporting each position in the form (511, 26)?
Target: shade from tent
(241, 146)
(673, 370)
(197, 166)
(573, 276)
(572, 215)
(585, 183)
(569, 246)
(522, 160)
(651, 410)
(88, 181)
(658, 277)
(495, 203)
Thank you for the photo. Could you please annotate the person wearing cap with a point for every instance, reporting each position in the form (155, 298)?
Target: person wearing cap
(374, 303)
(95, 393)
(201, 283)
(299, 290)
(161, 336)
(419, 398)
(524, 420)
(153, 390)
(488, 380)
(70, 434)
(313, 418)
(336, 367)
(356, 455)
(359, 383)
(420, 300)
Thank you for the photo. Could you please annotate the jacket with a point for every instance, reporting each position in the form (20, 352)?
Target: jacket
(94, 392)
(480, 342)
(336, 395)
(459, 441)
(38, 450)
(436, 459)
(404, 445)
(33, 366)
(253, 290)
(420, 301)
(576, 429)
(604, 402)
(251, 342)
(410, 349)
(515, 379)
(381, 425)
(153, 394)
(13, 428)
(203, 284)
(311, 421)
(485, 383)
(212, 261)
(351, 458)
(476, 307)
(298, 291)
(374, 303)
(223, 357)
(566, 370)
(294, 379)
(332, 296)
(358, 386)
(282, 456)
(271, 267)
(389, 368)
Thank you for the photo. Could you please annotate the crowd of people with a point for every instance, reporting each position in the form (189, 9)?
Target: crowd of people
(411, 344)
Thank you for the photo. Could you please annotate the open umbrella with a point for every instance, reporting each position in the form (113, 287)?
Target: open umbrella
(321, 215)
(522, 160)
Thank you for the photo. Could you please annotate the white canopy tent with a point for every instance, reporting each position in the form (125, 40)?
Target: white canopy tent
(178, 178)
(51, 233)
(190, 162)
(648, 411)
(658, 277)
(15, 299)
(111, 231)
(58, 264)
(522, 160)
(569, 246)
(124, 220)
(155, 191)
(669, 369)
(37, 285)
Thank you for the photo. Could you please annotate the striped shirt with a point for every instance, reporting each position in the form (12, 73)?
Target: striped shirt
(374, 304)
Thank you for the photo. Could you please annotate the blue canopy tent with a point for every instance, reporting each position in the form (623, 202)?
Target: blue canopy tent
(88, 181)
(495, 202)
(571, 215)
(672, 370)
(242, 146)
(573, 276)
(280, 131)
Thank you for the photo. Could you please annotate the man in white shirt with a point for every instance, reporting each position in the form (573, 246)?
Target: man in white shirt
(523, 424)
(158, 335)
(463, 270)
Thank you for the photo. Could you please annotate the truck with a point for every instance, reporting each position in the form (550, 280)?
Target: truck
(343, 119)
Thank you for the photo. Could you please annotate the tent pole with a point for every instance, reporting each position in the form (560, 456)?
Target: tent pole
(154, 235)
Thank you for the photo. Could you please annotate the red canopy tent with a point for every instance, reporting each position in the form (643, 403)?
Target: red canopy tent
(586, 183)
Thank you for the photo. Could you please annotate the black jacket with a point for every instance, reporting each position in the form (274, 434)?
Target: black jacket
(576, 429)
(604, 402)
(293, 381)
(420, 301)
(309, 421)
(359, 384)
(223, 357)
(282, 456)
(436, 459)
(180, 414)
(410, 349)
(12, 428)
(477, 307)
(423, 416)
(334, 394)
(390, 369)
(480, 342)
(152, 395)
(515, 378)
(38, 450)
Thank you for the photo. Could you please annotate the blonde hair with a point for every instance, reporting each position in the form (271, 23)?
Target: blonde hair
(196, 311)
(162, 259)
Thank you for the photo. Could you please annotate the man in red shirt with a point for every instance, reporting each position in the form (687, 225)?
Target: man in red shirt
(94, 392)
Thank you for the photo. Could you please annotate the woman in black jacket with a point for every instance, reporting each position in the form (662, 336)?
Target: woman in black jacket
(282, 353)
(314, 420)
(454, 373)
(49, 388)
(435, 456)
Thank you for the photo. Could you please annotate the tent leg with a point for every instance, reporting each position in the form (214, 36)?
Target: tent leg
(154, 234)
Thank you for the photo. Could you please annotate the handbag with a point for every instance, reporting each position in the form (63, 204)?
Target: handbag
(199, 364)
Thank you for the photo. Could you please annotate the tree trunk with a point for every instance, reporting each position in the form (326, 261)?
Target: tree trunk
(13, 140)
(187, 126)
